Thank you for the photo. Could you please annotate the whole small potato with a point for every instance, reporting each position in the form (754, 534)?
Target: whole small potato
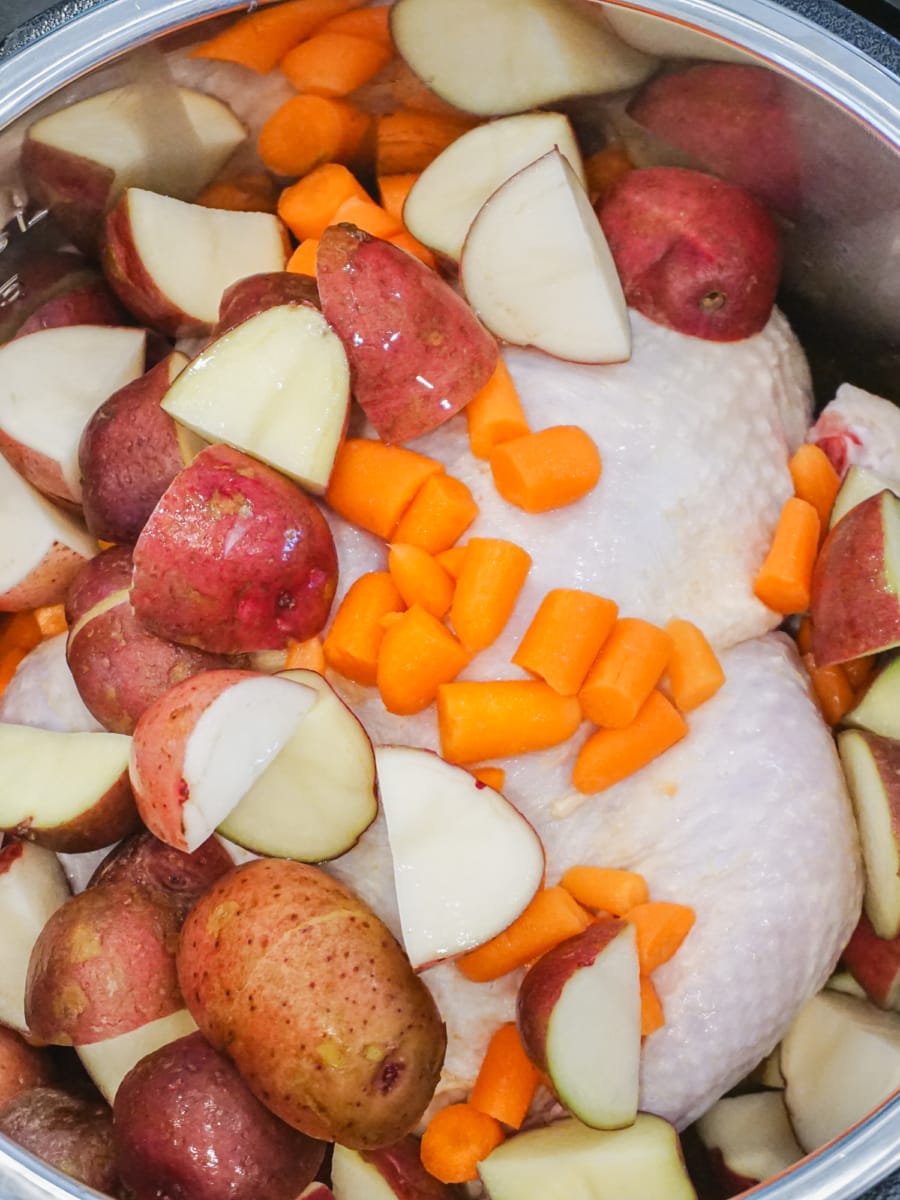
(72, 1133)
(21, 1066)
(103, 964)
(293, 977)
(186, 1125)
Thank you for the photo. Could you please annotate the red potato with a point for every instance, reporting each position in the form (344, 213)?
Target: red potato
(234, 558)
(120, 668)
(72, 1133)
(256, 293)
(40, 279)
(174, 878)
(103, 965)
(417, 352)
(186, 1124)
(308, 993)
(389, 1173)
(88, 303)
(21, 1066)
(874, 963)
(693, 253)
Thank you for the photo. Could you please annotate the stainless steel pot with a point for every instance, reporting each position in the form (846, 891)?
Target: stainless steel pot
(843, 269)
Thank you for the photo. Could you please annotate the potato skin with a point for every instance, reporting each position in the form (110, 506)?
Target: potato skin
(293, 977)
(187, 1127)
(256, 293)
(72, 1133)
(22, 1067)
(102, 965)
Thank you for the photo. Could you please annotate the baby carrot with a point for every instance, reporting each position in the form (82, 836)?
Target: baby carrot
(604, 169)
(625, 672)
(495, 414)
(416, 656)
(20, 631)
(609, 889)
(551, 917)
(832, 689)
(565, 637)
(455, 1141)
(303, 260)
(488, 586)
(9, 661)
(502, 718)
(440, 513)
(652, 1015)
(363, 22)
(51, 619)
(452, 560)
(372, 484)
(405, 240)
(308, 655)
(308, 206)
(610, 755)
(307, 131)
(694, 671)
(815, 480)
(541, 471)
(259, 40)
(352, 643)
(859, 670)
(660, 927)
(507, 1079)
(420, 578)
(393, 190)
(365, 214)
(246, 193)
(333, 63)
(409, 139)
(492, 777)
(783, 582)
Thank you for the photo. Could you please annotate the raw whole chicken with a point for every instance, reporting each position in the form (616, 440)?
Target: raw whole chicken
(859, 429)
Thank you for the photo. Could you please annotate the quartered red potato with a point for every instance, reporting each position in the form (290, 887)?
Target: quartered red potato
(413, 494)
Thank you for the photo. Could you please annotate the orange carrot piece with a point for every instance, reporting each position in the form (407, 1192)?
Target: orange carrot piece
(420, 578)
(859, 670)
(565, 637)
(363, 22)
(259, 40)
(51, 619)
(417, 655)
(368, 216)
(551, 917)
(9, 661)
(604, 169)
(455, 1141)
(497, 719)
(409, 139)
(507, 1079)
(452, 560)
(495, 414)
(334, 63)
(610, 755)
(405, 241)
(393, 190)
(440, 513)
(815, 480)
(308, 206)
(303, 260)
(492, 777)
(307, 131)
(625, 672)
(542, 471)
(308, 656)
(661, 927)
(246, 193)
(487, 589)
(804, 636)
(352, 643)
(694, 671)
(652, 1015)
(832, 689)
(372, 484)
(783, 582)
(20, 631)
(609, 889)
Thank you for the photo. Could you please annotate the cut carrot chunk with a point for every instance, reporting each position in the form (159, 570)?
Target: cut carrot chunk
(393, 190)
(565, 637)
(604, 169)
(308, 206)
(455, 1141)
(303, 260)
(247, 193)
(261, 39)
(352, 643)
(610, 755)
(495, 414)
(51, 620)
(608, 889)
(804, 636)
(307, 131)
(417, 655)
(452, 560)
(546, 470)
(420, 578)
(439, 515)
(783, 582)
(652, 1015)
(492, 777)
(488, 586)
(502, 718)
(20, 631)
(409, 139)
(625, 672)
(833, 691)
(405, 241)
(368, 216)
(695, 673)
(334, 63)
(815, 480)
(551, 917)
(859, 670)
(363, 22)
(9, 661)
(507, 1079)
(660, 927)
(372, 484)
(308, 656)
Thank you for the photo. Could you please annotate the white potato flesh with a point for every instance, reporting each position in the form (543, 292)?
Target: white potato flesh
(109, 1061)
(43, 693)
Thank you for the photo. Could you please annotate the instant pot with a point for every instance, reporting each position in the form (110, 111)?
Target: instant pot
(842, 289)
